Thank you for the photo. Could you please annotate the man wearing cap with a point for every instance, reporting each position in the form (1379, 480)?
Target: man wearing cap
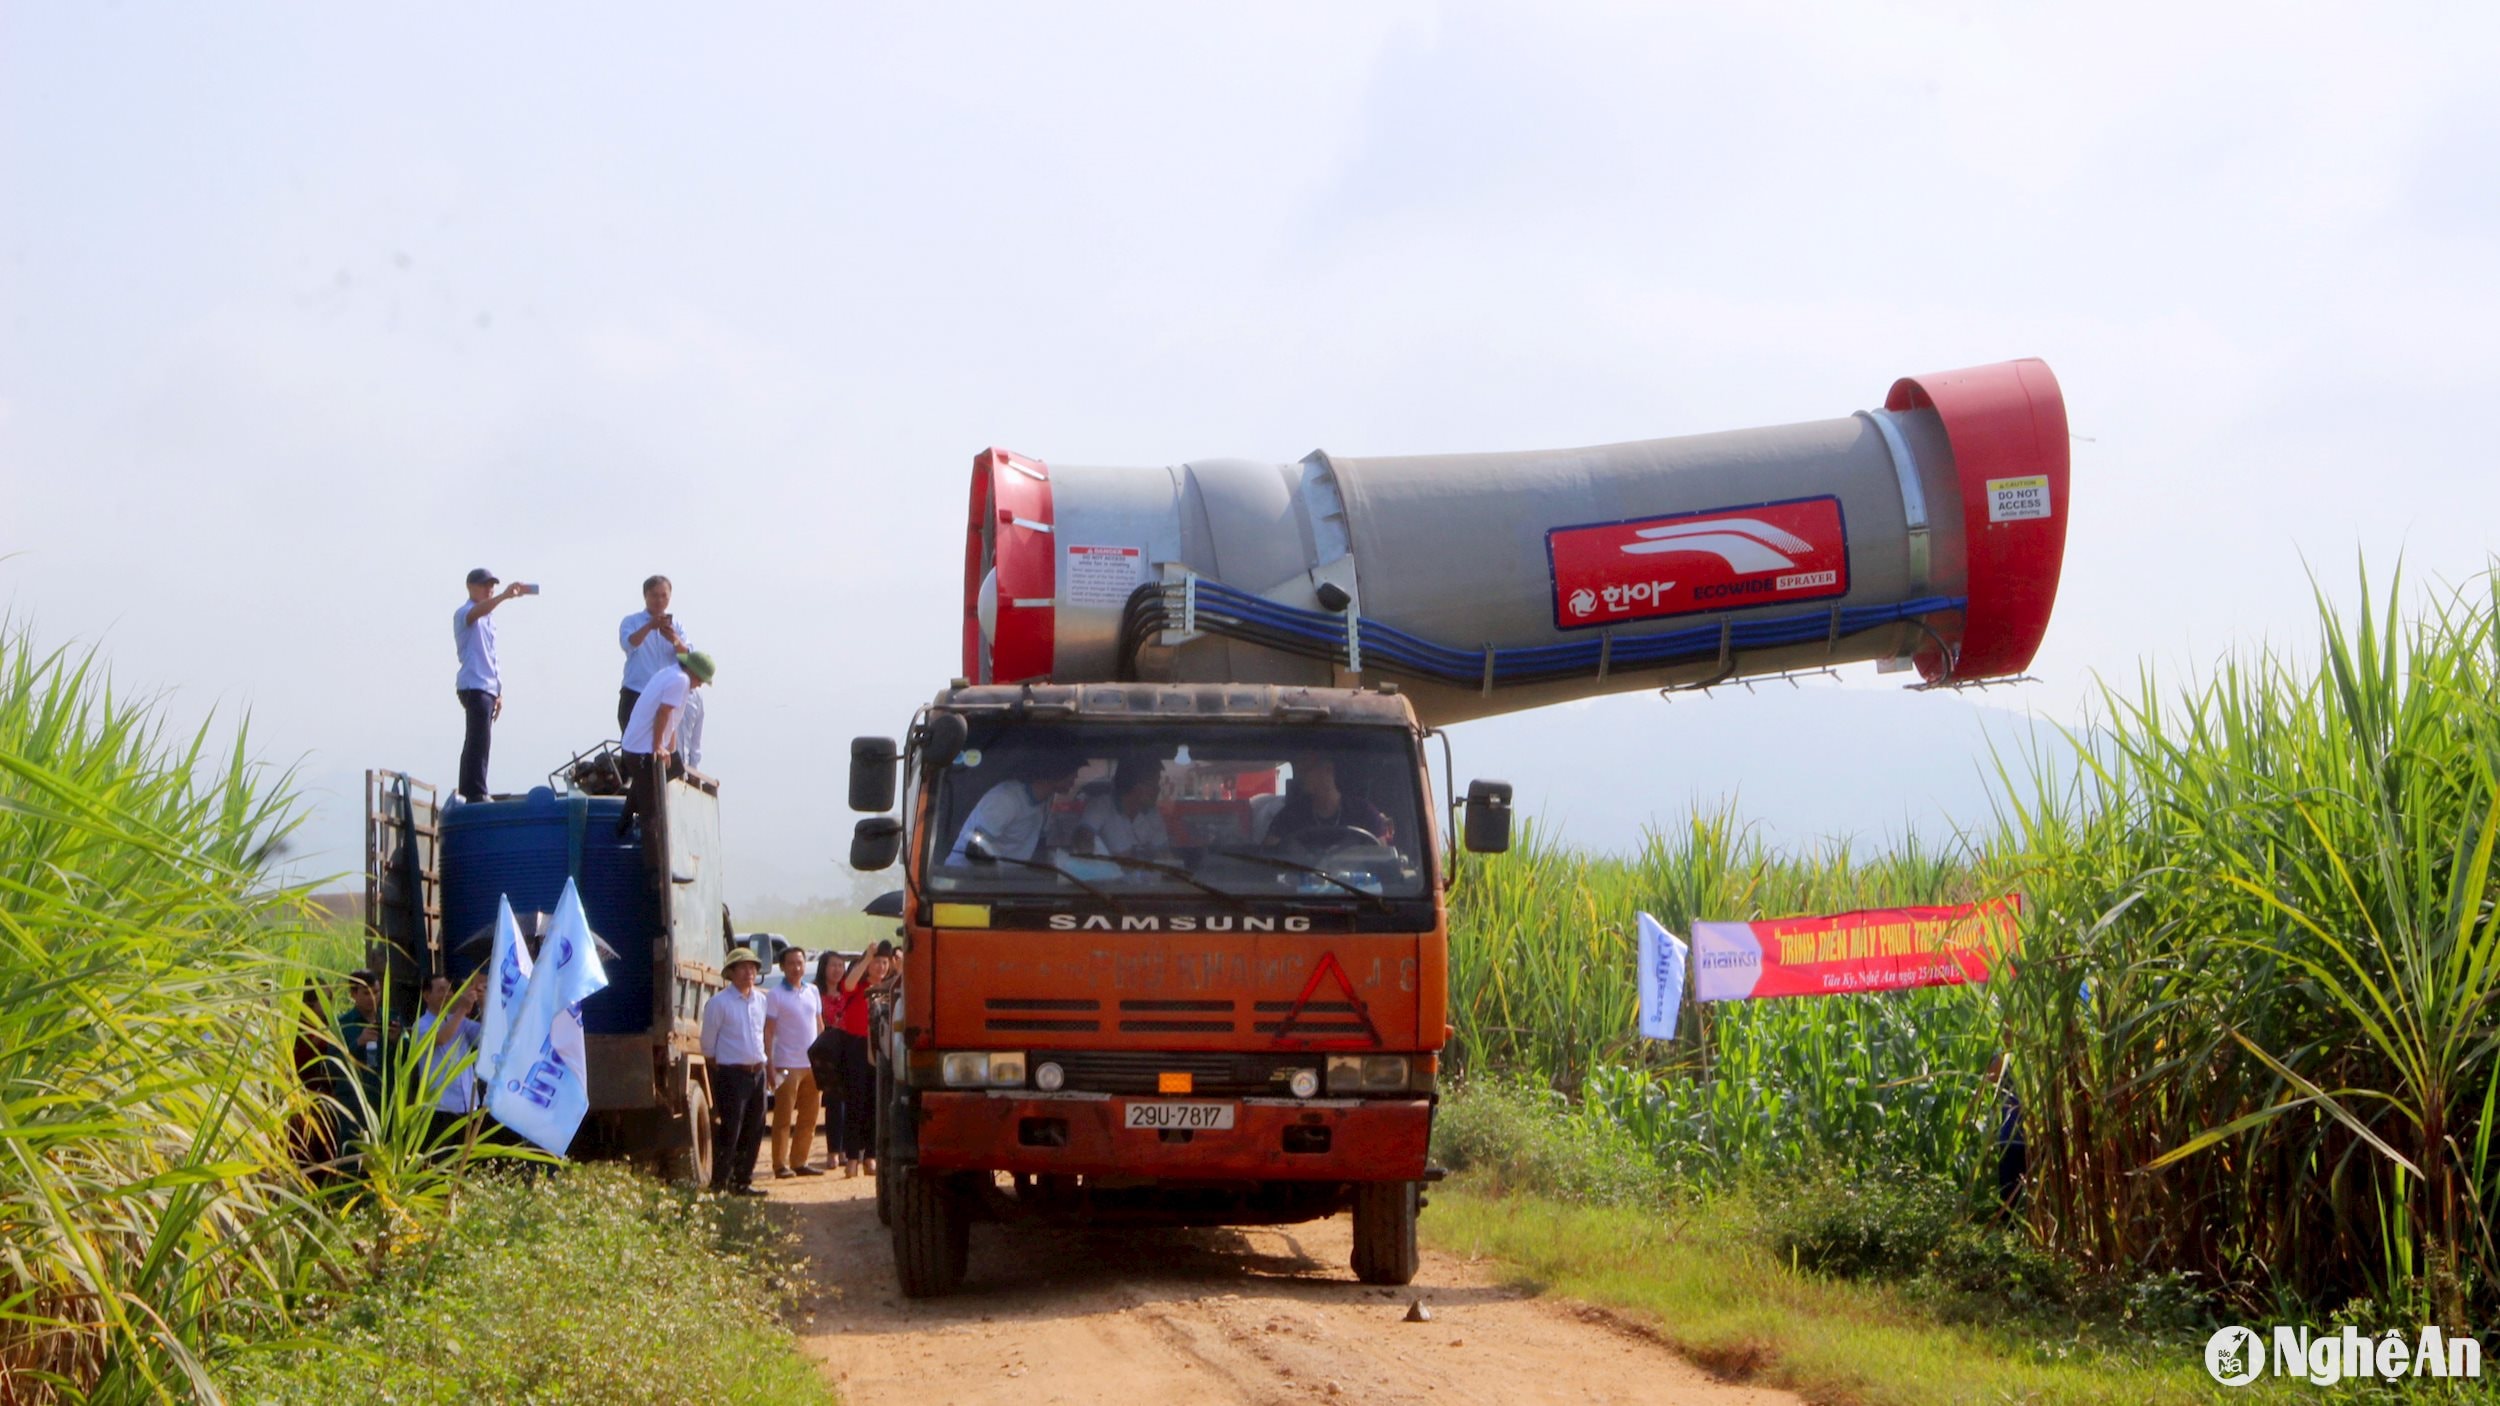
(651, 734)
(480, 685)
(733, 1050)
(652, 639)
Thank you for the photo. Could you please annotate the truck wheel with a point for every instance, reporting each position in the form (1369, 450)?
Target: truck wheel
(882, 1145)
(932, 1234)
(1384, 1232)
(686, 1146)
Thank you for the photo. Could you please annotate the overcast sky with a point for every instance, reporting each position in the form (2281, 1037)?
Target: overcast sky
(304, 311)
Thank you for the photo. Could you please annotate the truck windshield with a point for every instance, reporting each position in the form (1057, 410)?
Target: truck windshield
(1305, 812)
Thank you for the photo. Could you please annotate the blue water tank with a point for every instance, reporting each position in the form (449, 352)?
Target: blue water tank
(524, 849)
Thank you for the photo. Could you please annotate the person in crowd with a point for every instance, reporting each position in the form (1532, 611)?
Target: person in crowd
(1319, 806)
(313, 1136)
(1012, 814)
(824, 1058)
(733, 1048)
(363, 1037)
(651, 733)
(690, 733)
(794, 1017)
(855, 1075)
(652, 640)
(1125, 819)
(480, 684)
(447, 1039)
(2013, 1151)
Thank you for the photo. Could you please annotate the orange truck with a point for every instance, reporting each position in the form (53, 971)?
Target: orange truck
(1175, 943)
(1173, 954)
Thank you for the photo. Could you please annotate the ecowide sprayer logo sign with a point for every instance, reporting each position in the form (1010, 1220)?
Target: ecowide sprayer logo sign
(2238, 1356)
(1609, 573)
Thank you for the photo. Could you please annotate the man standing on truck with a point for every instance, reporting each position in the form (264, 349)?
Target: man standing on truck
(733, 1051)
(651, 732)
(652, 640)
(480, 684)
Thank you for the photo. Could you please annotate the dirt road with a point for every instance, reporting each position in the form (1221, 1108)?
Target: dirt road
(1182, 1317)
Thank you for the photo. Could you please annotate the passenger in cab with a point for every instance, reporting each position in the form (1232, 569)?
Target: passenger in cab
(1319, 808)
(1124, 819)
(1014, 812)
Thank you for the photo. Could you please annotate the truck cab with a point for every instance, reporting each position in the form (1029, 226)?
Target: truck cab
(1172, 954)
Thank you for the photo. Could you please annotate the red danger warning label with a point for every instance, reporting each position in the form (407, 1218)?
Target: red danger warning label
(1609, 573)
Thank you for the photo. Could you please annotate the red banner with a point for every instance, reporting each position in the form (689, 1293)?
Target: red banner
(1876, 949)
(1607, 573)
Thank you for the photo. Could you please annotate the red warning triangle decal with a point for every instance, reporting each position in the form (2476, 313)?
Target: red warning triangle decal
(1331, 1027)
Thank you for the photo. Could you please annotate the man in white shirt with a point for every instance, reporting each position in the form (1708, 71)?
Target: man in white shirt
(447, 1039)
(651, 733)
(1011, 815)
(1125, 819)
(480, 682)
(733, 1049)
(794, 1017)
(652, 639)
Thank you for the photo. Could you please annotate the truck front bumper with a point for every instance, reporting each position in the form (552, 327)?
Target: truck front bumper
(1083, 1135)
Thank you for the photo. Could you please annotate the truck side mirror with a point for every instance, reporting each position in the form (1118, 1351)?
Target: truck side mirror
(1488, 817)
(872, 775)
(875, 842)
(942, 739)
(888, 904)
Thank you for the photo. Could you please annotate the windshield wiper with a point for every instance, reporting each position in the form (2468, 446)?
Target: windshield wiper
(1299, 867)
(1240, 901)
(1049, 868)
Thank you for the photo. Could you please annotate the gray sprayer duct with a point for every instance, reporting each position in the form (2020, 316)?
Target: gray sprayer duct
(1927, 533)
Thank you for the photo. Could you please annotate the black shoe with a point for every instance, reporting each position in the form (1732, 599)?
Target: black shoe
(746, 1191)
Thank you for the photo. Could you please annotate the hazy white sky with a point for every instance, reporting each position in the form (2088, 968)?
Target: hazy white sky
(306, 310)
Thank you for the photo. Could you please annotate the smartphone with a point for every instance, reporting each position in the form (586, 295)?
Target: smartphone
(529, 588)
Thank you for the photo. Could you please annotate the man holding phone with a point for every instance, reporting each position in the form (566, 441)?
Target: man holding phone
(652, 640)
(480, 684)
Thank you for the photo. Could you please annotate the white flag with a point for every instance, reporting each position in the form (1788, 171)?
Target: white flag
(1661, 978)
(507, 975)
(542, 1082)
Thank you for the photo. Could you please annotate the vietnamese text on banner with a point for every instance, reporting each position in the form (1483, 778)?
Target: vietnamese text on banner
(1876, 949)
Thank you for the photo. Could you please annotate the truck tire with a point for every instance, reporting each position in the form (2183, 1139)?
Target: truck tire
(881, 1144)
(686, 1153)
(1384, 1232)
(932, 1234)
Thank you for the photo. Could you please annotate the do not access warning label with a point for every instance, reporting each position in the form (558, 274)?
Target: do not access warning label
(2014, 499)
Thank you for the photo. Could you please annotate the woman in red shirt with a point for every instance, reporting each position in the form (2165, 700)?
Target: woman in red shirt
(851, 1096)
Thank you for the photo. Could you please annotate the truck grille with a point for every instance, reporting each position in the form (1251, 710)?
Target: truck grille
(1129, 1072)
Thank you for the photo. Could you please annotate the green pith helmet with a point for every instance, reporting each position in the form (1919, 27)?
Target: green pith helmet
(697, 663)
(743, 954)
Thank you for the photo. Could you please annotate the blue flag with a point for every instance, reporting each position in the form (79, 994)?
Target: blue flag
(507, 975)
(1661, 978)
(542, 1083)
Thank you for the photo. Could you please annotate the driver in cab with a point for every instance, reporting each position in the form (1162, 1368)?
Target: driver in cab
(1011, 815)
(1319, 811)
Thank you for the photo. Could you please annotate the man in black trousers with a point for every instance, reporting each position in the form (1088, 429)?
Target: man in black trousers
(733, 1046)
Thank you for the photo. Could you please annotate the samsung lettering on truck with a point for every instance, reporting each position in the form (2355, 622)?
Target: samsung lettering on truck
(1174, 869)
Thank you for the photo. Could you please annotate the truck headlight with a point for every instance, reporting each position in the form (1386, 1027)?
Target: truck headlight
(1305, 1082)
(964, 1069)
(1349, 1074)
(1049, 1077)
(1007, 1071)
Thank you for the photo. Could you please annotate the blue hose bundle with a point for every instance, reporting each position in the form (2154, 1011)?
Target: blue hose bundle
(1237, 614)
